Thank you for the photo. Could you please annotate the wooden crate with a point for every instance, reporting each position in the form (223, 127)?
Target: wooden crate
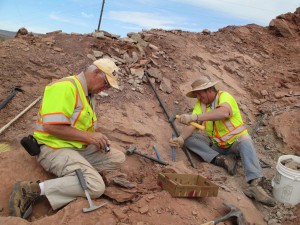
(187, 185)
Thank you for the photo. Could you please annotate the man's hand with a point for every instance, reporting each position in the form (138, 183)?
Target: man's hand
(177, 142)
(187, 118)
(98, 139)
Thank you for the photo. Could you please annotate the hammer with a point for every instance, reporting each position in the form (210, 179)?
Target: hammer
(132, 150)
(84, 187)
(175, 116)
(11, 95)
(234, 212)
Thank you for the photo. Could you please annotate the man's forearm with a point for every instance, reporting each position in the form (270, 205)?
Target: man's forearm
(67, 132)
(216, 114)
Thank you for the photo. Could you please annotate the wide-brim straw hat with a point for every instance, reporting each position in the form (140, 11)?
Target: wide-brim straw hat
(201, 83)
(108, 67)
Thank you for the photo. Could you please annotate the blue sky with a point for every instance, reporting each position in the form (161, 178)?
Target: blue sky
(124, 16)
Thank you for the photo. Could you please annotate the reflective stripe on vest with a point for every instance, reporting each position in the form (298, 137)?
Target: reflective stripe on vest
(78, 119)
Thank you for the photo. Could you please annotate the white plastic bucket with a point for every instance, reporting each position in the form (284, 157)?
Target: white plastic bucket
(286, 183)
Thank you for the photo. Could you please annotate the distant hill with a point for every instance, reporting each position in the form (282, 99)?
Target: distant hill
(4, 34)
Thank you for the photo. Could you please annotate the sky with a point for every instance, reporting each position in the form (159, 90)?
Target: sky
(123, 16)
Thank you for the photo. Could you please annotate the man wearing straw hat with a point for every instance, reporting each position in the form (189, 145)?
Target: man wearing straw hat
(66, 130)
(226, 135)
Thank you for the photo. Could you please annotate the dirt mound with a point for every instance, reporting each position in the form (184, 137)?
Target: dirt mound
(258, 66)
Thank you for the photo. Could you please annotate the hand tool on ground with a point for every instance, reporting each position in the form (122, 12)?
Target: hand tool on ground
(197, 125)
(185, 149)
(20, 114)
(234, 212)
(84, 187)
(11, 95)
(156, 152)
(132, 150)
(173, 149)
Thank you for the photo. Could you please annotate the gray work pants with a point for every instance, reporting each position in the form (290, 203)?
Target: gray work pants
(63, 163)
(202, 146)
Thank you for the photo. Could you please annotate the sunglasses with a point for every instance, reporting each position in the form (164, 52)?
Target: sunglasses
(106, 85)
(106, 82)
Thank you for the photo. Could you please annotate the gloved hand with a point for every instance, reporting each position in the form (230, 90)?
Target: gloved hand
(176, 142)
(187, 118)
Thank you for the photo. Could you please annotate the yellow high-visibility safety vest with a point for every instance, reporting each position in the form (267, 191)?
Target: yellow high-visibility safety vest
(223, 132)
(64, 102)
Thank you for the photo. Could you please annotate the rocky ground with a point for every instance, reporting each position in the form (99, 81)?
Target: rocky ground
(258, 65)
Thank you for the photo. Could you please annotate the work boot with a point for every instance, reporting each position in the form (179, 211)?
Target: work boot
(258, 193)
(228, 162)
(23, 196)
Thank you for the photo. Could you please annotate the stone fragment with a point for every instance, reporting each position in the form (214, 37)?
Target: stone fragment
(119, 194)
(134, 208)
(91, 57)
(206, 31)
(153, 47)
(127, 58)
(118, 60)
(139, 39)
(256, 101)
(144, 209)
(21, 31)
(264, 93)
(139, 72)
(154, 63)
(148, 37)
(135, 57)
(98, 54)
(141, 50)
(154, 72)
(99, 35)
(55, 32)
(57, 49)
(166, 86)
(119, 214)
(296, 93)
(129, 40)
(280, 94)
(151, 197)
(229, 69)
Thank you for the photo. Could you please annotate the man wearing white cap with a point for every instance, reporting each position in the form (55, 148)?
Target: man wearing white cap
(226, 136)
(66, 131)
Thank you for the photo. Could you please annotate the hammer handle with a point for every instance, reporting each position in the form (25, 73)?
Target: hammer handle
(173, 149)
(151, 158)
(156, 152)
(81, 179)
(197, 125)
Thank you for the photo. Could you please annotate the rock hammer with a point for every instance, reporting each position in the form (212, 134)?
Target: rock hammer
(234, 212)
(175, 116)
(84, 187)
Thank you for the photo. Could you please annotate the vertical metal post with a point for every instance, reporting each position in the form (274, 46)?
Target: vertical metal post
(103, 2)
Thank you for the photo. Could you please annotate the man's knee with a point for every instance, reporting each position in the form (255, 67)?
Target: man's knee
(118, 157)
(95, 185)
(97, 190)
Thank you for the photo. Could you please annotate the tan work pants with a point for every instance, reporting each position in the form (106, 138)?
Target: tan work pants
(64, 162)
